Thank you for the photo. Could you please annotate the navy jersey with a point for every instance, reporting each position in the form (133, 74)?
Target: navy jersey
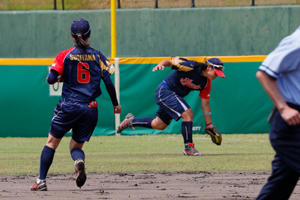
(81, 71)
(187, 77)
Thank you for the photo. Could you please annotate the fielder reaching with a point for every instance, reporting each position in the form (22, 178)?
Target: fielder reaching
(279, 75)
(189, 75)
(81, 68)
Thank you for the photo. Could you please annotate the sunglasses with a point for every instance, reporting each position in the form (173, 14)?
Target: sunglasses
(220, 67)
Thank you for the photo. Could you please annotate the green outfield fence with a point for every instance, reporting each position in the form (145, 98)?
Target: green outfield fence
(152, 32)
(238, 102)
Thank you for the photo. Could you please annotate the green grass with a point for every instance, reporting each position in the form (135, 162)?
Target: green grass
(155, 153)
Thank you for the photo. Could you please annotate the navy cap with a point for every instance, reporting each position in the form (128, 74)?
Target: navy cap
(81, 26)
(217, 65)
(215, 61)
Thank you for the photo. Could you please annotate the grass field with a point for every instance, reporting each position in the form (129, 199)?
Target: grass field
(155, 153)
(105, 4)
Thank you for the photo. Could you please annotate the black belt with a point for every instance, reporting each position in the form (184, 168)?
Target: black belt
(297, 107)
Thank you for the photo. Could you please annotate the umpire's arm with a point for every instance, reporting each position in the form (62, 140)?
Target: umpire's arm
(290, 115)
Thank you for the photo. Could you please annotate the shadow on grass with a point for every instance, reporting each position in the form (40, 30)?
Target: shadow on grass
(181, 154)
(236, 154)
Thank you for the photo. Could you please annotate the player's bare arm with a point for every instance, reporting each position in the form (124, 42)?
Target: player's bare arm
(210, 129)
(206, 112)
(290, 115)
(162, 65)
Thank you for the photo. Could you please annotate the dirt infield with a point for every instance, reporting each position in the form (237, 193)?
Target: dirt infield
(177, 185)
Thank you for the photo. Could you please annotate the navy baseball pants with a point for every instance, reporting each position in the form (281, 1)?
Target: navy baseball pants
(281, 183)
(285, 140)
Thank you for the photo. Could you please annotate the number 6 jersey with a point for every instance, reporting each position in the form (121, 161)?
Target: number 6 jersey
(81, 71)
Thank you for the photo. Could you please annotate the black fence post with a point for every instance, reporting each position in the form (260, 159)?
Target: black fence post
(119, 3)
(63, 4)
(253, 3)
(156, 3)
(193, 3)
(54, 8)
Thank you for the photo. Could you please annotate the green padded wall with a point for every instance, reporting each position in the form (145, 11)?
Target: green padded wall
(27, 108)
(238, 102)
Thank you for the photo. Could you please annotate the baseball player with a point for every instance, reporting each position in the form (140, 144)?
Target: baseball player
(279, 75)
(81, 68)
(188, 75)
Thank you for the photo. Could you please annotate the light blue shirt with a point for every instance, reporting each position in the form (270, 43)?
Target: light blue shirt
(283, 64)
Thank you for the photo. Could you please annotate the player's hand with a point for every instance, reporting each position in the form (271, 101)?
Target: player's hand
(117, 109)
(60, 79)
(290, 116)
(210, 126)
(158, 67)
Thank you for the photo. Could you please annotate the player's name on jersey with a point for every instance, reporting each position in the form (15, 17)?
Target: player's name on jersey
(83, 57)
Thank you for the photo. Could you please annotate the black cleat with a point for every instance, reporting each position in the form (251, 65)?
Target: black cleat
(80, 173)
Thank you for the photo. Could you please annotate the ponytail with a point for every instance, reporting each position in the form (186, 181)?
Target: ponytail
(200, 65)
(80, 42)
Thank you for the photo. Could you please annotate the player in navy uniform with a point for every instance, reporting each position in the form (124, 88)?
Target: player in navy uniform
(279, 75)
(81, 68)
(188, 75)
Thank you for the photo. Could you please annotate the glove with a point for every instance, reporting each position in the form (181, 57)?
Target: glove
(215, 136)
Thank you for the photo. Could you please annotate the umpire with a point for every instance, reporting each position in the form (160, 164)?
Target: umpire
(279, 75)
